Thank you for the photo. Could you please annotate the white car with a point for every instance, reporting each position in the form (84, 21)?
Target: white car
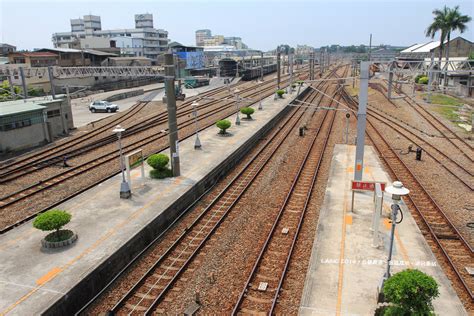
(103, 106)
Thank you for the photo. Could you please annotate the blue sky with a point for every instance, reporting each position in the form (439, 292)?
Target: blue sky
(262, 24)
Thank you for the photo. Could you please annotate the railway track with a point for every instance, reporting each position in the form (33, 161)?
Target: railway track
(262, 288)
(439, 156)
(438, 125)
(13, 202)
(155, 283)
(445, 240)
(55, 155)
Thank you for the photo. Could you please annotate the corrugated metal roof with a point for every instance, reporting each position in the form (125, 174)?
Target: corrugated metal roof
(427, 47)
(18, 106)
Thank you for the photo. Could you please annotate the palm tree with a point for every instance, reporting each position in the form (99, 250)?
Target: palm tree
(439, 25)
(445, 21)
(455, 22)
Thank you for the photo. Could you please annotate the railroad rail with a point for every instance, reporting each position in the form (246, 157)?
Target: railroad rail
(265, 281)
(146, 294)
(440, 232)
(12, 200)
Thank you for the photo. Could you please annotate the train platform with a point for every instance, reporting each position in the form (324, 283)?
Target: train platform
(35, 280)
(345, 269)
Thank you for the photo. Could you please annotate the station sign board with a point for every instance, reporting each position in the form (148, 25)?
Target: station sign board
(358, 186)
(132, 160)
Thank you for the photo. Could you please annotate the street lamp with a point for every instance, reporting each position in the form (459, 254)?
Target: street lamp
(197, 143)
(124, 187)
(237, 119)
(397, 190)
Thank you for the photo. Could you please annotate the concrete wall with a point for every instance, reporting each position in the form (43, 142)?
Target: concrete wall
(93, 283)
(22, 138)
(124, 95)
(458, 47)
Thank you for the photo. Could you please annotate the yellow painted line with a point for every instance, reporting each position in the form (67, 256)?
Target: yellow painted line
(109, 234)
(48, 276)
(342, 248)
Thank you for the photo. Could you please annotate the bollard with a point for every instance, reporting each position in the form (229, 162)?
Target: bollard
(418, 153)
(302, 131)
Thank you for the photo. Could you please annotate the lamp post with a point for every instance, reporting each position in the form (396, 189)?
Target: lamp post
(237, 119)
(197, 143)
(397, 190)
(125, 192)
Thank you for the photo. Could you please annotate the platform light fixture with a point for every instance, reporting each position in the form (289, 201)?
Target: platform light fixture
(237, 119)
(197, 142)
(125, 192)
(397, 191)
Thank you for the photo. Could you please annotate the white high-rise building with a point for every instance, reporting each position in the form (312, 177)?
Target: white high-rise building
(143, 40)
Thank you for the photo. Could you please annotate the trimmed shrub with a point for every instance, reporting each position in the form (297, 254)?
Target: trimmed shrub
(423, 80)
(280, 93)
(411, 292)
(247, 111)
(53, 220)
(417, 78)
(300, 82)
(223, 125)
(158, 161)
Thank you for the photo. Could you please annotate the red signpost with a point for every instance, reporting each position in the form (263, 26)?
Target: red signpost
(364, 186)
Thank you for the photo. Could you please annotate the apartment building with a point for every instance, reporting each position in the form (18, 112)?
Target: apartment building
(142, 41)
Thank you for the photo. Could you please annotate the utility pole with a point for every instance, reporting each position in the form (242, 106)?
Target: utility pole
(171, 107)
(290, 60)
(430, 78)
(390, 81)
(50, 73)
(23, 84)
(261, 66)
(361, 119)
(370, 46)
(278, 67)
(10, 83)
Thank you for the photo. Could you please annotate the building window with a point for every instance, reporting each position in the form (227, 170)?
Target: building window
(53, 113)
(96, 78)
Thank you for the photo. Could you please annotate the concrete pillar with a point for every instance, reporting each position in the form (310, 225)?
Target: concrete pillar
(390, 81)
(430, 78)
(47, 137)
(278, 67)
(51, 78)
(23, 84)
(261, 66)
(361, 119)
(10, 83)
(171, 107)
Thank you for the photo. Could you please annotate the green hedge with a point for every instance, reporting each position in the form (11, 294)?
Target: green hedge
(158, 161)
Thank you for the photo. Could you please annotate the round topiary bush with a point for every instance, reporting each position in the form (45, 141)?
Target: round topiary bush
(54, 220)
(411, 292)
(223, 125)
(158, 161)
(423, 80)
(247, 111)
(300, 82)
(280, 93)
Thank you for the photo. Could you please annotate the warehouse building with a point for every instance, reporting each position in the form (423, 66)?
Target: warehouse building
(36, 122)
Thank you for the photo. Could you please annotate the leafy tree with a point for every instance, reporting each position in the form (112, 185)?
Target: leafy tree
(158, 161)
(247, 111)
(411, 292)
(52, 220)
(223, 125)
(5, 91)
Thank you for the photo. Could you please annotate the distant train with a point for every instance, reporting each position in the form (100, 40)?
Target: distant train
(255, 72)
(194, 82)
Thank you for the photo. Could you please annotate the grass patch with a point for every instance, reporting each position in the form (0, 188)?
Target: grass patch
(442, 99)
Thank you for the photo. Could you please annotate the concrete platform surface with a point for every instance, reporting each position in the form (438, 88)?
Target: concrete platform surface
(32, 279)
(80, 106)
(345, 270)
